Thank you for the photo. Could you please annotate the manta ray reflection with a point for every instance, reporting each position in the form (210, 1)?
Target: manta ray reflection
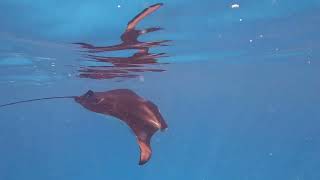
(125, 67)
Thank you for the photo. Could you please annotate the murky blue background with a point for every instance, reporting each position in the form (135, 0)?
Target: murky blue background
(240, 95)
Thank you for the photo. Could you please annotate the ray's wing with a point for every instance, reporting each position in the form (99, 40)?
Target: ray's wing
(156, 111)
(145, 151)
(133, 23)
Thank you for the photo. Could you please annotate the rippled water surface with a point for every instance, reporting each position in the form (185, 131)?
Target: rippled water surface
(237, 82)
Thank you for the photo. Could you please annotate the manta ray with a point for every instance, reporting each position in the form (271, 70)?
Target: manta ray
(142, 116)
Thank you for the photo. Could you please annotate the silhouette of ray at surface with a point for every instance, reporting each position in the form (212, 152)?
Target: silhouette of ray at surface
(125, 67)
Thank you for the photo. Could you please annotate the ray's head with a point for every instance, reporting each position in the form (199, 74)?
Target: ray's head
(89, 98)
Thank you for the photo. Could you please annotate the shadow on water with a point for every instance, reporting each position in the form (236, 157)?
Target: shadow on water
(125, 67)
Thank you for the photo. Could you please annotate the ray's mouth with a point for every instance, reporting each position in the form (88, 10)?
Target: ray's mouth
(77, 99)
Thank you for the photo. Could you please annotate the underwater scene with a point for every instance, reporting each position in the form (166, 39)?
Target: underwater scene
(159, 90)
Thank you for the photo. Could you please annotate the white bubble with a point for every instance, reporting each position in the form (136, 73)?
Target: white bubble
(119, 6)
(143, 31)
(141, 78)
(240, 20)
(233, 6)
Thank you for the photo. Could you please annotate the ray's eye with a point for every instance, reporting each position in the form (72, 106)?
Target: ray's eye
(89, 94)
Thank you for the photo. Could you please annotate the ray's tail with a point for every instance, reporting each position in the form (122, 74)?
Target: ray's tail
(39, 99)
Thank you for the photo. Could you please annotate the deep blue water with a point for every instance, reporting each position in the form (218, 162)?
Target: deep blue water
(240, 92)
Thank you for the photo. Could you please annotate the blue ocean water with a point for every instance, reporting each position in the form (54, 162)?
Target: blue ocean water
(238, 88)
